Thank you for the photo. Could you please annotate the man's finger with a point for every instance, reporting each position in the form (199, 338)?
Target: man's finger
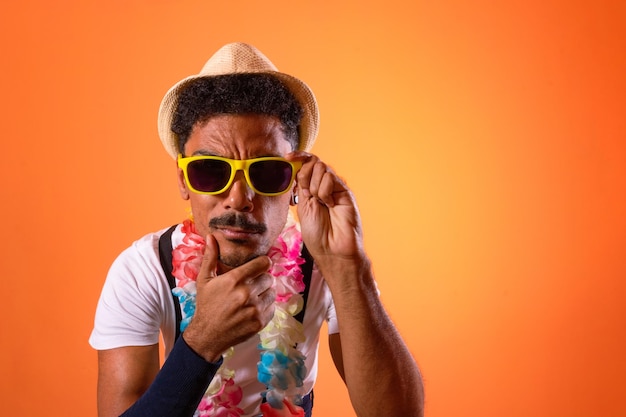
(208, 268)
(261, 284)
(267, 298)
(253, 269)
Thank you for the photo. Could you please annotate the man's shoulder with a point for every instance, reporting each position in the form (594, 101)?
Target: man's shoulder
(146, 248)
(150, 241)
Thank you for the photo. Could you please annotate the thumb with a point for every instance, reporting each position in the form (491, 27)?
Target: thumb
(208, 268)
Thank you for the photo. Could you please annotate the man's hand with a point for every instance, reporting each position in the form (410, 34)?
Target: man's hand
(327, 210)
(369, 343)
(230, 308)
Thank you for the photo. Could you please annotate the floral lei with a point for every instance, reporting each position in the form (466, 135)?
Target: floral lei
(281, 366)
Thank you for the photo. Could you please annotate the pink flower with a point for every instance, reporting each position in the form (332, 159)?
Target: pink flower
(229, 394)
(224, 402)
(187, 257)
(191, 237)
(286, 261)
(206, 405)
(289, 410)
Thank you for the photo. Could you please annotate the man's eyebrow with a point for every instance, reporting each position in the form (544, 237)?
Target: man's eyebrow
(202, 152)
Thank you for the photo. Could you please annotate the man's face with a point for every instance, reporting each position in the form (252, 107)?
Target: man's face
(261, 218)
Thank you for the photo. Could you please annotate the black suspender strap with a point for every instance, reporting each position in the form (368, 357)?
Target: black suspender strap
(165, 256)
(307, 271)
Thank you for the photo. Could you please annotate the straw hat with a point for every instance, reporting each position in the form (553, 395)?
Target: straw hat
(241, 58)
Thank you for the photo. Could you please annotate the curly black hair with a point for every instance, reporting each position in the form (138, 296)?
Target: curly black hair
(246, 93)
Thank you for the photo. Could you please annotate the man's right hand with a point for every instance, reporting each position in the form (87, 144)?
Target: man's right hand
(230, 308)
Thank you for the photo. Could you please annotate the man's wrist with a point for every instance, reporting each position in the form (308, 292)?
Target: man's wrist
(347, 274)
(196, 344)
(178, 387)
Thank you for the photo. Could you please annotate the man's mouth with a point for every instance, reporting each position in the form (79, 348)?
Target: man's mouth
(233, 233)
(236, 227)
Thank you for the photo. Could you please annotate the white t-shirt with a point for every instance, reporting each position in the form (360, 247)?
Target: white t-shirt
(136, 304)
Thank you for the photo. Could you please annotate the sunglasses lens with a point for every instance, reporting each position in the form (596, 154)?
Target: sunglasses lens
(208, 175)
(270, 176)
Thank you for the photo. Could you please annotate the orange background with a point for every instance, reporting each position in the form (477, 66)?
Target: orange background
(484, 140)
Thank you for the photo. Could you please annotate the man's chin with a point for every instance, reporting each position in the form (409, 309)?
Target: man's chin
(233, 261)
(234, 254)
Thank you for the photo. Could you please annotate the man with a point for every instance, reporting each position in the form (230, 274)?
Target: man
(247, 306)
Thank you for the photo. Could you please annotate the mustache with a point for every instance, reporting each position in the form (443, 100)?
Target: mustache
(238, 221)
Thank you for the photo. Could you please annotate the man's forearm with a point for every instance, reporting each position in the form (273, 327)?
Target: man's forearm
(380, 373)
(178, 387)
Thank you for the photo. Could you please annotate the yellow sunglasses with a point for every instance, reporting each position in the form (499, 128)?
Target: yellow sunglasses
(212, 175)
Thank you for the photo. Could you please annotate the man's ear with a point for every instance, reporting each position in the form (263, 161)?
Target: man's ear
(182, 185)
(294, 196)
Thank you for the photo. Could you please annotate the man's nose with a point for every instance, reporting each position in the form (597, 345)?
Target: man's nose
(239, 195)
